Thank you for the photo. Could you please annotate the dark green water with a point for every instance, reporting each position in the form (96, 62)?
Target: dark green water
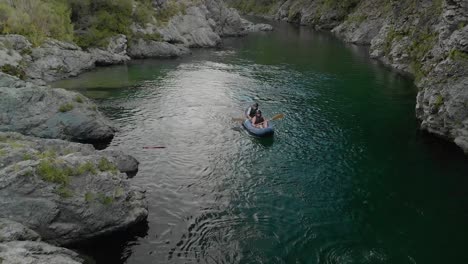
(348, 178)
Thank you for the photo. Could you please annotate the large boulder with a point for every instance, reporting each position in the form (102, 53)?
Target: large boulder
(56, 60)
(66, 192)
(50, 113)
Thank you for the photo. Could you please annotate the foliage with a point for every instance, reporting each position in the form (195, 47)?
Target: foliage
(50, 171)
(66, 107)
(254, 6)
(106, 165)
(105, 200)
(12, 70)
(64, 192)
(89, 197)
(458, 55)
(170, 9)
(36, 19)
(79, 99)
(86, 167)
(439, 100)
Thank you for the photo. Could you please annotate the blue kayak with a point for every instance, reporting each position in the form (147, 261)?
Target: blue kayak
(259, 132)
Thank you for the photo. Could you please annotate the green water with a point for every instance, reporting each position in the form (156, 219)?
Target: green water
(347, 178)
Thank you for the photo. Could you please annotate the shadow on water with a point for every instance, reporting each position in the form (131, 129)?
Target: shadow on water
(103, 249)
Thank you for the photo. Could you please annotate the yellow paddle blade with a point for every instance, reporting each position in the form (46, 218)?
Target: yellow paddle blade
(238, 119)
(278, 116)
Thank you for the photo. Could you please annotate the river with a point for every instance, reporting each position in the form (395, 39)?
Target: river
(347, 178)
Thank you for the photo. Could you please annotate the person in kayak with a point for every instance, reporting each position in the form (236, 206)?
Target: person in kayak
(250, 113)
(258, 121)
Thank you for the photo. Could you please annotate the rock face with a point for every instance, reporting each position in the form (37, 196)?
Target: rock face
(13, 231)
(56, 60)
(148, 48)
(427, 39)
(66, 192)
(29, 252)
(50, 113)
(115, 53)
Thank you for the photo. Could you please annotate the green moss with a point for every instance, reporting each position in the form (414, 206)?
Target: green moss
(48, 154)
(119, 192)
(106, 165)
(461, 25)
(50, 171)
(105, 200)
(79, 99)
(392, 36)
(458, 55)
(2, 152)
(28, 173)
(64, 192)
(89, 197)
(439, 100)
(15, 144)
(27, 156)
(87, 167)
(356, 19)
(12, 70)
(66, 107)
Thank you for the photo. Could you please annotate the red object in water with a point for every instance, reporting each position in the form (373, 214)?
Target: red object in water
(154, 147)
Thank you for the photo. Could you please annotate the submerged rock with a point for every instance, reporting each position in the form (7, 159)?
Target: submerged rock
(67, 192)
(50, 113)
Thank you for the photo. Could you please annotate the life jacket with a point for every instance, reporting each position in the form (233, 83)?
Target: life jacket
(259, 120)
(252, 111)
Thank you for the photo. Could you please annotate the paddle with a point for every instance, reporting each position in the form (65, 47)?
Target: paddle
(276, 117)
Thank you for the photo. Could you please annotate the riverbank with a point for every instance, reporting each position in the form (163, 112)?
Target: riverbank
(427, 39)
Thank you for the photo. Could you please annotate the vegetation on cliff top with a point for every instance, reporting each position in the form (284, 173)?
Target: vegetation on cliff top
(86, 22)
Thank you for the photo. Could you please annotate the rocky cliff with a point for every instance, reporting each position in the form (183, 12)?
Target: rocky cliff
(427, 39)
(169, 29)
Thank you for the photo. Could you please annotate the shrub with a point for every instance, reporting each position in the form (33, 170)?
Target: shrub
(36, 19)
(79, 99)
(51, 172)
(106, 165)
(66, 107)
(86, 167)
(12, 70)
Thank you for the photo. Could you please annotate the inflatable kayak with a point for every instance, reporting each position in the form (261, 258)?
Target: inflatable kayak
(259, 132)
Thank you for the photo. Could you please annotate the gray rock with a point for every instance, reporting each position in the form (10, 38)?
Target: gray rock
(148, 48)
(66, 192)
(29, 252)
(16, 42)
(56, 60)
(251, 27)
(13, 231)
(50, 113)
(115, 53)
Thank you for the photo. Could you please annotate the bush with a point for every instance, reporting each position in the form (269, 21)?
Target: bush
(66, 107)
(36, 19)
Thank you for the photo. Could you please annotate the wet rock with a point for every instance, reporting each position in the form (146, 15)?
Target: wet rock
(66, 192)
(50, 113)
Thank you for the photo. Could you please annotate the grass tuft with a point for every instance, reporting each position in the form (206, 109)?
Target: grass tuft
(66, 107)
